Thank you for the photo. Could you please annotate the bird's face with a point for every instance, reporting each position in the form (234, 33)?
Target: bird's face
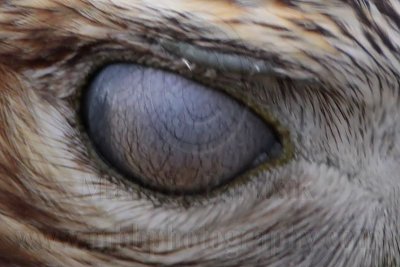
(320, 77)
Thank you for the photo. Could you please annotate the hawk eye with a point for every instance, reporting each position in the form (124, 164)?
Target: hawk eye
(169, 133)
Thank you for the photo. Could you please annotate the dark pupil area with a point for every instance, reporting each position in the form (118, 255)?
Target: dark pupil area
(170, 133)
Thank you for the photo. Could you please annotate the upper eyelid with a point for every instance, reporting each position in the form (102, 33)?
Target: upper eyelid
(217, 60)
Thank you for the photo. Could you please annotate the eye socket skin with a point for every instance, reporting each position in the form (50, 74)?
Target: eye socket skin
(170, 133)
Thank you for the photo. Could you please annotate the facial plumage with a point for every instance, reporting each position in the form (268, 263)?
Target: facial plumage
(330, 85)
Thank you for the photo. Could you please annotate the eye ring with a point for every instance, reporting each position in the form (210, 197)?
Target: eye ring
(242, 177)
